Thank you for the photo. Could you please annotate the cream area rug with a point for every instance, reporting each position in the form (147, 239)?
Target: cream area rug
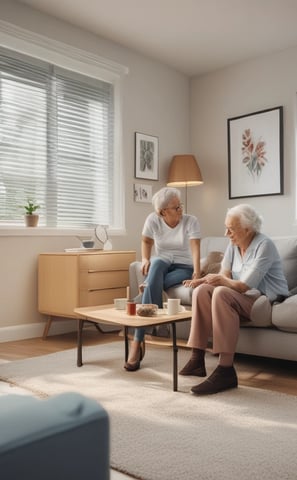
(158, 434)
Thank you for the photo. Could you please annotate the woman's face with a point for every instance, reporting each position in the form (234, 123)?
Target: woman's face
(237, 234)
(173, 212)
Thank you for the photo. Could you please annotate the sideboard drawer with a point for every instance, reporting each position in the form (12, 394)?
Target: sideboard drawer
(106, 261)
(100, 297)
(103, 280)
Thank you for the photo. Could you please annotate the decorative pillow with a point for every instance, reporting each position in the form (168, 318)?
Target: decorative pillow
(287, 248)
(261, 314)
(212, 263)
(284, 316)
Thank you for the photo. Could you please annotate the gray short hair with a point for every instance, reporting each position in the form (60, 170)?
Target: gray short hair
(247, 215)
(162, 198)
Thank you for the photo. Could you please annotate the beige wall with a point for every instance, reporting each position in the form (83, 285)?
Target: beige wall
(266, 82)
(155, 101)
(162, 102)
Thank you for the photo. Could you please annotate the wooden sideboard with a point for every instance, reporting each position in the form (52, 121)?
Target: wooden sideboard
(68, 280)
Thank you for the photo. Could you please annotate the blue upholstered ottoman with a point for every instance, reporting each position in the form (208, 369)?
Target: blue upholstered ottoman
(62, 437)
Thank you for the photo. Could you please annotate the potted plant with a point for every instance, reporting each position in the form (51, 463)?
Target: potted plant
(31, 218)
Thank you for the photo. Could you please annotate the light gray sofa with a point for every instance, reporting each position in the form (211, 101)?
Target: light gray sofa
(273, 329)
(63, 437)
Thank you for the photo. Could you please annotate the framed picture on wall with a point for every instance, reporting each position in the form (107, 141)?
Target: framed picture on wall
(255, 154)
(146, 156)
(142, 193)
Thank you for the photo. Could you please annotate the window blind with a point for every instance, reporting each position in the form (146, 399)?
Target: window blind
(56, 143)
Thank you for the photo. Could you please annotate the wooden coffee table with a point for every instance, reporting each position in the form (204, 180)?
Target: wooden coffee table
(107, 314)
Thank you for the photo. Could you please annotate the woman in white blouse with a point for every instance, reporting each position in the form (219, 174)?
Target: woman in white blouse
(175, 237)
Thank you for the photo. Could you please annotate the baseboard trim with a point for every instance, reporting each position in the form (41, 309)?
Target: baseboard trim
(34, 330)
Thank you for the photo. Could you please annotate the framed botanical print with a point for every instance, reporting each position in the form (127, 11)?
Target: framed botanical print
(146, 156)
(255, 154)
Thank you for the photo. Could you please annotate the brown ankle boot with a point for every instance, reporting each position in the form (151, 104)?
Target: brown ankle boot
(196, 364)
(191, 368)
(222, 378)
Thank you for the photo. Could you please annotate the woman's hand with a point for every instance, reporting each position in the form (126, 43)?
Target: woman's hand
(145, 266)
(215, 279)
(194, 282)
(146, 248)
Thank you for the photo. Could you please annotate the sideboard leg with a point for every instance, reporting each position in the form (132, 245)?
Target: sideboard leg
(47, 327)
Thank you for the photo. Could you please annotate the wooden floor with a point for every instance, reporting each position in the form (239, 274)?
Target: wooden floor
(269, 374)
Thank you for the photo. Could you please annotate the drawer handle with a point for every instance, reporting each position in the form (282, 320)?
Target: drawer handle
(100, 289)
(108, 271)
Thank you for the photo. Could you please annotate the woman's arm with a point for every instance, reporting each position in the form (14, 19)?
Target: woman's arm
(223, 278)
(146, 250)
(219, 279)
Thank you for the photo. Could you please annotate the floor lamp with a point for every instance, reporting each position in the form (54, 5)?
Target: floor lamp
(184, 171)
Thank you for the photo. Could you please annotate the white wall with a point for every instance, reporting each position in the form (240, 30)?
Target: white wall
(252, 86)
(155, 102)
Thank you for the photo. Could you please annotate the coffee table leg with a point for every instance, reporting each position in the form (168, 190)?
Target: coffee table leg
(175, 350)
(79, 342)
(126, 330)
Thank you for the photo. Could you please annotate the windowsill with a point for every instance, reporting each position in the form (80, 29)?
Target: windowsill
(19, 231)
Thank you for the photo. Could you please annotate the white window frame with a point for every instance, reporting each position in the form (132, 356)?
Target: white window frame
(83, 62)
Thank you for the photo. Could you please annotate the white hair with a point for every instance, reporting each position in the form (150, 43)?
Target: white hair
(162, 198)
(247, 215)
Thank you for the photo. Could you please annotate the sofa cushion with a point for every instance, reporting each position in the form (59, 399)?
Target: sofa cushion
(212, 263)
(213, 244)
(287, 248)
(284, 315)
(182, 292)
(261, 314)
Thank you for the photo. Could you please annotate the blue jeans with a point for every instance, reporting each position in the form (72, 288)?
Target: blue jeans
(161, 276)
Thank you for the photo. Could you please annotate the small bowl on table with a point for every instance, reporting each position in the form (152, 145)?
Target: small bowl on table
(146, 309)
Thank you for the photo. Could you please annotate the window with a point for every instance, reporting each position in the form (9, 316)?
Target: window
(57, 144)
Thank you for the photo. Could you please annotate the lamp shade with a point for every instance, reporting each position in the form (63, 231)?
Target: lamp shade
(184, 171)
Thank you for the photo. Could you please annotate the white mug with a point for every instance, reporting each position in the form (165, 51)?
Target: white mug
(120, 303)
(173, 306)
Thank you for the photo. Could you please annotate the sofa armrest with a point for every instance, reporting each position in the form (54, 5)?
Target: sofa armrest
(65, 436)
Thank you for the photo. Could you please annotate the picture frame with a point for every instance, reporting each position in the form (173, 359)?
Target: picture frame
(142, 193)
(146, 156)
(255, 154)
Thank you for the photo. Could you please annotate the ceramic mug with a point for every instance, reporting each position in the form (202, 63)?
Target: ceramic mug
(173, 306)
(120, 303)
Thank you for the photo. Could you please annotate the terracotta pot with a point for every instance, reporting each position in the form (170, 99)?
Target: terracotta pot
(31, 220)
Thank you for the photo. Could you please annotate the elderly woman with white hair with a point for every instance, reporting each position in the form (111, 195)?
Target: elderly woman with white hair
(176, 239)
(250, 267)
